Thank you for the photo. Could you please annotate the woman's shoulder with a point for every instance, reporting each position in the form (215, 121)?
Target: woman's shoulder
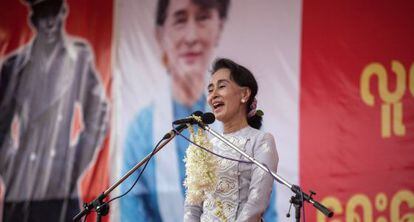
(264, 143)
(261, 135)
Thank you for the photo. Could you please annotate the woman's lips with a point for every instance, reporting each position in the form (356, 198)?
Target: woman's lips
(218, 109)
(191, 57)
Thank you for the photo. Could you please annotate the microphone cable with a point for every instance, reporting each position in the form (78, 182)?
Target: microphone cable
(231, 159)
(303, 205)
(140, 174)
(211, 152)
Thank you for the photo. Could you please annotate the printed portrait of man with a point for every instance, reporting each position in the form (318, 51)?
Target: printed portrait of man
(53, 118)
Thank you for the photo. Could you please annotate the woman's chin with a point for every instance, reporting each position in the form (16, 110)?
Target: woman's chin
(192, 69)
(219, 116)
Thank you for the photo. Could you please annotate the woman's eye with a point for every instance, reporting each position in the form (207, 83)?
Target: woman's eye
(179, 21)
(204, 15)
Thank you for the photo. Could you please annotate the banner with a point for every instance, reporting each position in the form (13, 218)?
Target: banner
(54, 99)
(336, 84)
(357, 119)
(159, 43)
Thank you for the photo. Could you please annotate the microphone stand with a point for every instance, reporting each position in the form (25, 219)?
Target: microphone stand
(100, 206)
(299, 194)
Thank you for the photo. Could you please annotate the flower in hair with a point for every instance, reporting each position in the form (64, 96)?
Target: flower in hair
(253, 107)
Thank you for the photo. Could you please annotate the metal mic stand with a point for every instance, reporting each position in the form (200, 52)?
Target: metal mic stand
(299, 194)
(100, 206)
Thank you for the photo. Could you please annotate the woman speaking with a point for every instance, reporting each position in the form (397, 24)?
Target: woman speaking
(239, 190)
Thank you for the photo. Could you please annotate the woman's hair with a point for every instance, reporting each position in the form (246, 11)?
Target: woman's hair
(222, 7)
(243, 77)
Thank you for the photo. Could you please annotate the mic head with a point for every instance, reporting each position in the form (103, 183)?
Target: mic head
(208, 118)
(197, 113)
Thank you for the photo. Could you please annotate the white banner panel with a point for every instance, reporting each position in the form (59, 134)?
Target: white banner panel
(264, 36)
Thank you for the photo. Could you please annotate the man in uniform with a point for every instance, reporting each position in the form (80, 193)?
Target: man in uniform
(52, 119)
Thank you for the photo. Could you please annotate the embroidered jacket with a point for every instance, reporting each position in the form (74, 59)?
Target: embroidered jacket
(243, 190)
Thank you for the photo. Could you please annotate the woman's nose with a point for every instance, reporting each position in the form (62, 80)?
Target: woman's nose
(213, 94)
(191, 33)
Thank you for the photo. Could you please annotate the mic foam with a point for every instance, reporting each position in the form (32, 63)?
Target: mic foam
(208, 118)
(197, 113)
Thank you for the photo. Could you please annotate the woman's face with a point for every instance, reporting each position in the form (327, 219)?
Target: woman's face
(188, 37)
(225, 96)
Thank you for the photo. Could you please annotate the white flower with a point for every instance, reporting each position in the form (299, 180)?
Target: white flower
(201, 175)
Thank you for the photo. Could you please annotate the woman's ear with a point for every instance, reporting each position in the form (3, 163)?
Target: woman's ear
(159, 32)
(246, 92)
(64, 10)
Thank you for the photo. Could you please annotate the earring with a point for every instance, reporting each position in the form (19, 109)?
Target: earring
(243, 101)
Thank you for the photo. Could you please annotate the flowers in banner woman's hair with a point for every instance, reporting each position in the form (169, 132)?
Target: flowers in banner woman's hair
(201, 176)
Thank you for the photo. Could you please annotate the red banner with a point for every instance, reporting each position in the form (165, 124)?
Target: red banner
(357, 102)
(87, 27)
(356, 119)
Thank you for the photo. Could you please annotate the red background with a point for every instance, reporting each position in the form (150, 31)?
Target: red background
(342, 152)
(92, 21)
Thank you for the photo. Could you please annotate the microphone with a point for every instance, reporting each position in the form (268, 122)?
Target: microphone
(207, 118)
(189, 119)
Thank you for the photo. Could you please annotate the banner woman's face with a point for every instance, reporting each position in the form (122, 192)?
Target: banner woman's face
(188, 37)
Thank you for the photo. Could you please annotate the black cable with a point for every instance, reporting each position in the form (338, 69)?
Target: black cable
(228, 158)
(211, 152)
(303, 206)
(302, 203)
(136, 180)
(86, 216)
